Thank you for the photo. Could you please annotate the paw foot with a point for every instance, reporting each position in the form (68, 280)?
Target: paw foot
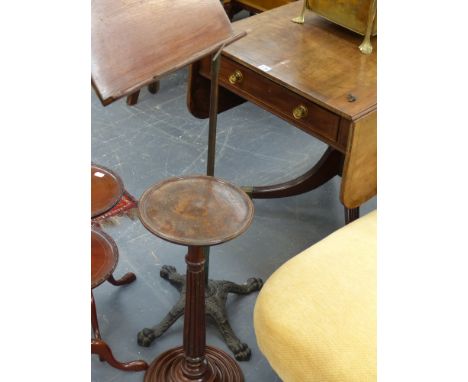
(255, 283)
(241, 352)
(166, 271)
(146, 337)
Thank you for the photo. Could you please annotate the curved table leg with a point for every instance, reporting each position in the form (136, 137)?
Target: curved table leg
(127, 278)
(100, 348)
(329, 165)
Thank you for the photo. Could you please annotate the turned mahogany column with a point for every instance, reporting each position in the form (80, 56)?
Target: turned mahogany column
(194, 365)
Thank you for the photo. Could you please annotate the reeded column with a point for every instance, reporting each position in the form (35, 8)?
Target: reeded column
(194, 365)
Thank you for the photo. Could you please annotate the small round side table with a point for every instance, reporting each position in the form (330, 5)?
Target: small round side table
(106, 191)
(195, 211)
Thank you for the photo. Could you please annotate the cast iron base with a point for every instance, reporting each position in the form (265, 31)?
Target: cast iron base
(168, 367)
(215, 307)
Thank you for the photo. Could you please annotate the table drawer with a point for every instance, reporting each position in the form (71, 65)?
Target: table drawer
(277, 99)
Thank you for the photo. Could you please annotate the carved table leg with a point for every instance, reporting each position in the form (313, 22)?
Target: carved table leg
(215, 302)
(329, 165)
(100, 348)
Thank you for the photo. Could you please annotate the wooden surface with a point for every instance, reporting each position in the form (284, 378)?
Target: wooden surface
(316, 67)
(195, 210)
(104, 257)
(277, 99)
(134, 42)
(318, 60)
(359, 182)
(106, 190)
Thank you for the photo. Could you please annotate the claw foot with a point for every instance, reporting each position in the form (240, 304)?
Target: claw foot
(241, 351)
(166, 271)
(146, 337)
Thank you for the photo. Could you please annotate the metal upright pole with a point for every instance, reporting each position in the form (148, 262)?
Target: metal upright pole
(213, 121)
(213, 117)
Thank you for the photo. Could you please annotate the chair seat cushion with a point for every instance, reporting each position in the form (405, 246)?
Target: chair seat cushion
(315, 317)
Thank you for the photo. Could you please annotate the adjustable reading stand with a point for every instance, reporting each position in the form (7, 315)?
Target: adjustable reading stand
(135, 43)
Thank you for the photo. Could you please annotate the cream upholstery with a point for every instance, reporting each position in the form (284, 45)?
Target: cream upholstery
(315, 317)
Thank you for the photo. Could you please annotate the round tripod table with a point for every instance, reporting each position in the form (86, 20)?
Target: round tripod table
(195, 211)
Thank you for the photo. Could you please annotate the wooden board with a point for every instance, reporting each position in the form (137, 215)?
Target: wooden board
(134, 42)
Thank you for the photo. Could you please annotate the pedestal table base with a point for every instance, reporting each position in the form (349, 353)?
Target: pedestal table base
(215, 307)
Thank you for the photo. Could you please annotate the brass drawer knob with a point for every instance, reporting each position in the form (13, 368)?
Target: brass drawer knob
(236, 77)
(300, 112)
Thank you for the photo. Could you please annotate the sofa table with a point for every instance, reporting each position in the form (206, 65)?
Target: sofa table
(313, 76)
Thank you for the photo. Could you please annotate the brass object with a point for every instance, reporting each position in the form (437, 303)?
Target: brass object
(366, 45)
(236, 77)
(300, 112)
(248, 190)
(360, 16)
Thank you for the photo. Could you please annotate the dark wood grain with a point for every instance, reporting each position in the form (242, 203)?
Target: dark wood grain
(134, 42)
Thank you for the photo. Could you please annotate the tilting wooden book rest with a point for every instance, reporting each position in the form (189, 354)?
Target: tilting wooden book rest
(135, 43)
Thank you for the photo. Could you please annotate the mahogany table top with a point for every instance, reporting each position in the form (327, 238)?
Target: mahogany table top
(134, 42)
(106, 190)
(195, 210)
(318, 60)
(104, 257)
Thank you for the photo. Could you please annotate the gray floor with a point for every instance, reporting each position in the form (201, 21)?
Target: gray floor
(158, 138)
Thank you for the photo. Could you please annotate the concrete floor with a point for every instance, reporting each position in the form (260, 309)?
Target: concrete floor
(159, 138)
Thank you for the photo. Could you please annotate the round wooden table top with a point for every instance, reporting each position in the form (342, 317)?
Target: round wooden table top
(196, 210)
(106, 190)
(104, 257)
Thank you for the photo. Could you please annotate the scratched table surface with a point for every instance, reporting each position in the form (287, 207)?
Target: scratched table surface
(158, 138)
